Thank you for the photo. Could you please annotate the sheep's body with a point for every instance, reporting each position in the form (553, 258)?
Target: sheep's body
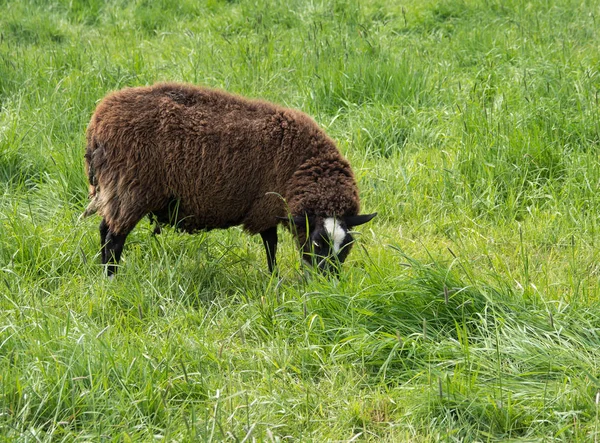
(205, 159)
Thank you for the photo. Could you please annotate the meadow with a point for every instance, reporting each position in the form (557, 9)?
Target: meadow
(469, 308)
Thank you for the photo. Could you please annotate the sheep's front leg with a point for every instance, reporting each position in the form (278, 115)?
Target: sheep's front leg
(269, 238)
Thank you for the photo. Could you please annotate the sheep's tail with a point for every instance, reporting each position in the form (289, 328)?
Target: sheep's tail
(93, 191)
(91, 209)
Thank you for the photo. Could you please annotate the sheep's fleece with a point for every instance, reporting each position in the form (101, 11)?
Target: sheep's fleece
(200, 158)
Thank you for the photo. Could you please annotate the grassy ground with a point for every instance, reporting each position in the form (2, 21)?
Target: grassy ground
(469, 310)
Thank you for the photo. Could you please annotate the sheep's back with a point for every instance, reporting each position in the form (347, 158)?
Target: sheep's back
(214, 153)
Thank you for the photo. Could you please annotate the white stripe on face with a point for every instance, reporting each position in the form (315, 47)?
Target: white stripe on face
(336, 233)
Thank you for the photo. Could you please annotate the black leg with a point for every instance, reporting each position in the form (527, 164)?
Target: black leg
(269, 238)
(113, 250)
(156, 223)
(103, 233)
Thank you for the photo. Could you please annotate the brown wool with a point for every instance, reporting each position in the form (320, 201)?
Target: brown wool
(214, 158)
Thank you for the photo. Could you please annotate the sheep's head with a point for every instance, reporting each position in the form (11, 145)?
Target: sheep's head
(326, 241)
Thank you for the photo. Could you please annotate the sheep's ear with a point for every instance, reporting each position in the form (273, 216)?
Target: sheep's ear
(356, 220)
(299, 220)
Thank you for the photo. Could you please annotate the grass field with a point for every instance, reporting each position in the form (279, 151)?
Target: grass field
(469, 309)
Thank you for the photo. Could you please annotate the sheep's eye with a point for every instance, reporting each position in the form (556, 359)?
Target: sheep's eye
(316, 244)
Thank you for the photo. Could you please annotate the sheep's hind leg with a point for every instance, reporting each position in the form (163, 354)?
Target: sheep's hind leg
(103, 234)
(269, 238)
(113, 247)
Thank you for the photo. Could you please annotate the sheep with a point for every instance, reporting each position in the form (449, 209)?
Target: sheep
(201, 159)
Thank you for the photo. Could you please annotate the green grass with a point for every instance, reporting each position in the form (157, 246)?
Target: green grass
(468, 311)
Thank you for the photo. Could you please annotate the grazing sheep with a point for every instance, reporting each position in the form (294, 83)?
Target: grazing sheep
(199, 158)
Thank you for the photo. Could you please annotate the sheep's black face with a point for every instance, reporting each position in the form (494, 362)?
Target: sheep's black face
(326, 242)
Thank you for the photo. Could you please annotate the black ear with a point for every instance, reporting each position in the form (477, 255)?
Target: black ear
(356, 220)
(299, 220)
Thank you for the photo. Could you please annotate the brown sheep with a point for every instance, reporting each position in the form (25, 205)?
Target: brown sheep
(199, 158)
